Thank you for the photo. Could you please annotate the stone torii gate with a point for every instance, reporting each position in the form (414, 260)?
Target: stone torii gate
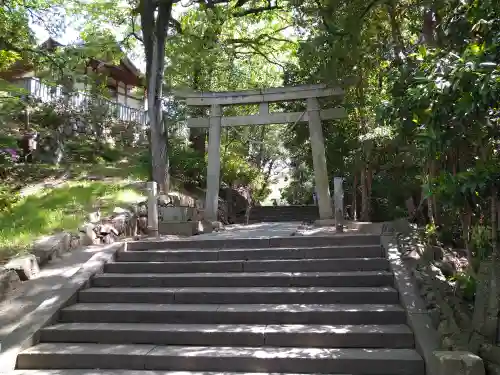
(313, 115)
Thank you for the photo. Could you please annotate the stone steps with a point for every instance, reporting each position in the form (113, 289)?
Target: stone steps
(270, 265)
(283, 213)
(135, 372)
(279, 305)
(292, 335)
(258, 243)
(234, 314)
(215, 358)
(325, 252)
(242, 295)
(241, 279)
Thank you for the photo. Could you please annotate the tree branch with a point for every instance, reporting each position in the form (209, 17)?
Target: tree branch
(259, 52)
(6, 45)
(176, 25)
(371, 5)
(247, 12)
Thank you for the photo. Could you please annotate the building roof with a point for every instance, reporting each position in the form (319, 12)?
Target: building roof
(125, 71)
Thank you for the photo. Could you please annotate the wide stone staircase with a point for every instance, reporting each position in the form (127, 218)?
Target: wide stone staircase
(281, 305)
(269, 214)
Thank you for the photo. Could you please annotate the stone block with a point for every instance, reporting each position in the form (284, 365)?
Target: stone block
(49, 247)
(324, 223)
(205, 226)
(25, 266)
(176, 214)
(180, 228)
(9, 281)
(458, 363)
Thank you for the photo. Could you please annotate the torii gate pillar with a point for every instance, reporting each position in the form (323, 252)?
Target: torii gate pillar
(319, 159)
(213, 164)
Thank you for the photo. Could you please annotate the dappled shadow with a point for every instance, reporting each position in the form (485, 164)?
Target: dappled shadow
(261, 230)
(306, 333)
(39, 299)
(61, 208)
(32, 293)
(223, 358)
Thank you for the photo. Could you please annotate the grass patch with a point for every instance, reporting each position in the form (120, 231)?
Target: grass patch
(64, 207)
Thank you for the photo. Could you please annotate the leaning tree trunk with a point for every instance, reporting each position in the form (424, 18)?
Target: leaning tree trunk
(197, 136)
(155, 17)
(154, 119)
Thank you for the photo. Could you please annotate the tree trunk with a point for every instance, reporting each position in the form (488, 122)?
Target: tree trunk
(466, 220)
(158, 146)
(365, 204)
(397, 38)
(197, 136)
(435, 208)
(369, 180)
(155, 31)
(260, 156)
(430, 210)
(355, 198)
(494, 224)
(266, 178)
(229, 203)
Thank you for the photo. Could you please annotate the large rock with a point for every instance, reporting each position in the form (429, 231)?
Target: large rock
(458, 363)
(107, 233)
(75, 241)
(47, 248)
(142, 225)
(493, 369)
(124, 221)
(88, 235)
(239, 198)
(205, 226)
(95, 217)
(141, 209)
(26, 267)
(9, 281)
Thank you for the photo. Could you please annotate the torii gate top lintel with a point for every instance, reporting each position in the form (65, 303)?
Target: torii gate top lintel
(269, 95)
(262, 97)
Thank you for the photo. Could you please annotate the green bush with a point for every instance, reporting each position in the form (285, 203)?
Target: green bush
(81, 151)
(8, 198)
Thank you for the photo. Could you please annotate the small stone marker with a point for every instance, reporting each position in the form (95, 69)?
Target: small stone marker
(458, 363)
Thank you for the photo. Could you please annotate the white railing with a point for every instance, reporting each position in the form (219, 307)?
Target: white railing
(81, 100)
